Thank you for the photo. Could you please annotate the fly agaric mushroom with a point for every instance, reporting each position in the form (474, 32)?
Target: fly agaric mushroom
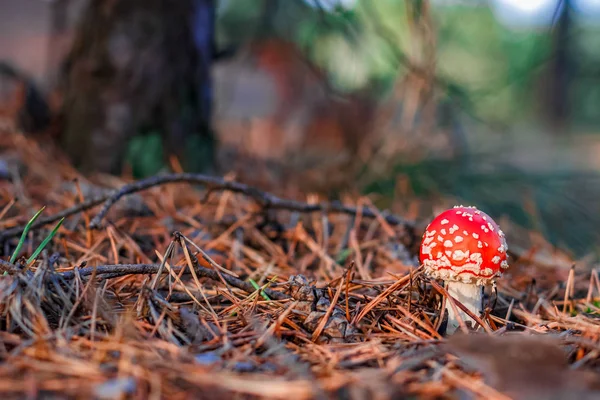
(464, 247)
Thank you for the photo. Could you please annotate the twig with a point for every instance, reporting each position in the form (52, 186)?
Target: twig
(118, 270)
(265, 199)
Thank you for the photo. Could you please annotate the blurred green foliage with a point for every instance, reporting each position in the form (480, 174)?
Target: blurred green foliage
(491, 72)
(499, 67)
(145, 154)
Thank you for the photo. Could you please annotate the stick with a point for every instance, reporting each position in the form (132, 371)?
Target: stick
(114, 271)
(265, 199)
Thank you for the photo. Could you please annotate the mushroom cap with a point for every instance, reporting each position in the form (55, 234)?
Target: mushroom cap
(464, 244)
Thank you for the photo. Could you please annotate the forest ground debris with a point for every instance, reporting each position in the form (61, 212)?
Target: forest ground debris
(92, 316)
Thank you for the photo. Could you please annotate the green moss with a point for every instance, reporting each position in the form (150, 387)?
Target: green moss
(145, 155)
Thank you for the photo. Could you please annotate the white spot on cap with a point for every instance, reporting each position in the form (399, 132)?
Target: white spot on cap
(479, 244)
(453, 229)
(443, 231)
(460, 255)
(444, 221)
(448, 243)
(491, 226)
(458, 239)
(440, 239)
(426, 250)
(496, 259)
(430, 233)
(475, 236)
(465, 233)
(476, 257)
(439, 254)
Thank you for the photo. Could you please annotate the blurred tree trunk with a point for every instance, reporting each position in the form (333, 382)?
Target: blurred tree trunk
(139, 67)
(560, 71)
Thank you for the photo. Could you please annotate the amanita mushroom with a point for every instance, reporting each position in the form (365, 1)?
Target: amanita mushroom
(464, 247)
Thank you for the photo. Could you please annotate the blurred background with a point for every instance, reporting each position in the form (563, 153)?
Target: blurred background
(419, 104)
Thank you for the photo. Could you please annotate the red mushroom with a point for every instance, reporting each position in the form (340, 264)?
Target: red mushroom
(464, 247)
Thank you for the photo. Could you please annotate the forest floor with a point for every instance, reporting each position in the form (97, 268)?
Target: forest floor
(195, 287)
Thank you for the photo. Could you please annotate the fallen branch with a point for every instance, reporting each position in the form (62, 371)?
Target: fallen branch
(265, 199)
(118, 270)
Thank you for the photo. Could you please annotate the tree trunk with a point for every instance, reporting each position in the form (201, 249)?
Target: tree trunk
(140, 67)
(560, 72)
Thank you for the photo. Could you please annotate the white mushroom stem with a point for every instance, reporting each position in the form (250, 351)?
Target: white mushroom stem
(470, 295)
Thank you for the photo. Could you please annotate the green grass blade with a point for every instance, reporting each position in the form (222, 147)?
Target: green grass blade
(45, 242)
(24, 235)
(263, 294)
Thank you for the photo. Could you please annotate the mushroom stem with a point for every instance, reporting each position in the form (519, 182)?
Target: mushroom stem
(470, 295)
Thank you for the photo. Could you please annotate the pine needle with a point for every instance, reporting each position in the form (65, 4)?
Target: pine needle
(13, 258)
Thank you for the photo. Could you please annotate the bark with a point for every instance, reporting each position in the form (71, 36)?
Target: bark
(139, 66)
(561, 71)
